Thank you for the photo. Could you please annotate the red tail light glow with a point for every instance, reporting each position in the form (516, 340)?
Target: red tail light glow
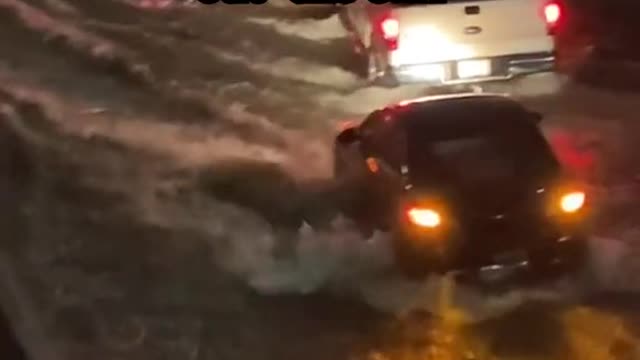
(390, 29)
(552, 13)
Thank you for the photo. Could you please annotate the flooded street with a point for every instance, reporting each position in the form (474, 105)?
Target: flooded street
(175, 198)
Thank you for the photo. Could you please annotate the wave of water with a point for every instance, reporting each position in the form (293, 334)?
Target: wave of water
(274, 166)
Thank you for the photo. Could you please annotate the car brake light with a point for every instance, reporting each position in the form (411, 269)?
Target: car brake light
(572, 202)
(390, 29)
(424, 217)
(552, 13)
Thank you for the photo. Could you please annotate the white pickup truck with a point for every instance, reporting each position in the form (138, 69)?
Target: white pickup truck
(456, 42)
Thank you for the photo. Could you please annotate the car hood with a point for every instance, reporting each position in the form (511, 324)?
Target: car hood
(497, 198)
(488, 199)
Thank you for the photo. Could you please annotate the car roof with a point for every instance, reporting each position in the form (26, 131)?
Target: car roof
(445, 97)
(459, 111)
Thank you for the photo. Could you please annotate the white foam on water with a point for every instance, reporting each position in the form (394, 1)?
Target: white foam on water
(311, 29)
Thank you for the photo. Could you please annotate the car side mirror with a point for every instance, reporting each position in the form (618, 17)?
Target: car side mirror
(349, 135)
(536, 117)
(590, 144)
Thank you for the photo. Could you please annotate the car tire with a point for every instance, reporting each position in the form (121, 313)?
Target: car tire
(410, 261)
(339, 167)
(577, 276)
(353, 195)
(410, 265)
(376, 75)
(581, 278)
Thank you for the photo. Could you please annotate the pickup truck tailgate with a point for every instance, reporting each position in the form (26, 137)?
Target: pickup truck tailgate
(463, 29)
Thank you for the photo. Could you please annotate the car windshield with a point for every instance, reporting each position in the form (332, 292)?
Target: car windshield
(475, 156)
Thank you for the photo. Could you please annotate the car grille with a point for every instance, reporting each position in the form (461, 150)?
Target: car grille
(486, 236)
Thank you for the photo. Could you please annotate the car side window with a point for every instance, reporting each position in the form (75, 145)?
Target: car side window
(369, 131)
(392, 147)
(384, 139)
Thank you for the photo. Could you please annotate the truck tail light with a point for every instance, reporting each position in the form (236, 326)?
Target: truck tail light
(390, 30)
(552, 12)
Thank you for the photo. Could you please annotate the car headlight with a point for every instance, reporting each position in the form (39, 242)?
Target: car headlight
(572, 202)
(424, 217)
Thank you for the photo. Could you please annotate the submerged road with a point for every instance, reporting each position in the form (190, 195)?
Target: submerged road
(162, 168)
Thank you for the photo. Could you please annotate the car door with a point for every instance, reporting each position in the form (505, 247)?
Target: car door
(391, 157)
(386, 150)
(371, 131)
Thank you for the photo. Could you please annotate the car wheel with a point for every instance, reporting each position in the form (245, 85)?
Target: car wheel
(377, 73)
(353, 199)
(576, 274)
(359, 213)
(581, 278)
(339, 168)
(410, 261)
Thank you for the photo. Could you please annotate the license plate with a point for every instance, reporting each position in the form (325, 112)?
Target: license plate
(510, 258)
(474, 68)
(428, 72)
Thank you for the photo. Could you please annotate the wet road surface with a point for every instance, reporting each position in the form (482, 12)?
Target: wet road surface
(174, 160)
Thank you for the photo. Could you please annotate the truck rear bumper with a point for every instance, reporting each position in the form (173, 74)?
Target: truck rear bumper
(501, 68)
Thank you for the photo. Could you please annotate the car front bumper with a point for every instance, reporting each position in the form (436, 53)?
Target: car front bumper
(502, 68)
(542, 252)
(565, 255)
